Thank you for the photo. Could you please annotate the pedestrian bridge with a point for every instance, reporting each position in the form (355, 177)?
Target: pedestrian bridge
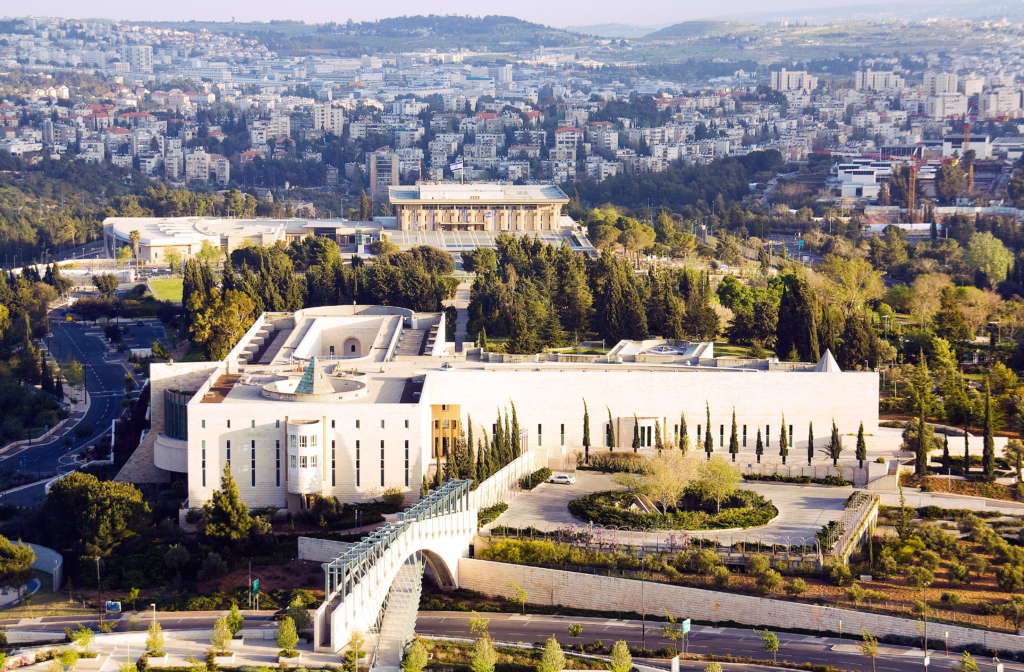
(374, 587)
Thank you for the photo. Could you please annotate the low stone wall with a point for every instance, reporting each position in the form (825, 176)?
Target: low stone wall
(604, 593)
(321, 550)
(49, 561)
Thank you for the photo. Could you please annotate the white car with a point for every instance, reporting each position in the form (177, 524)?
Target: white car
(562, 479)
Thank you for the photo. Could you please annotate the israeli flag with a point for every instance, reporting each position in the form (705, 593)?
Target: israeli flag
(456, 166)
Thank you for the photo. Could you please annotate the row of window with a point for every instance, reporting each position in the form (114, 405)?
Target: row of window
(277, 424)
(252, 454)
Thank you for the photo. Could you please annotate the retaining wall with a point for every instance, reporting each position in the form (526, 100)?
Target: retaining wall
(321, 550)
(604, 593)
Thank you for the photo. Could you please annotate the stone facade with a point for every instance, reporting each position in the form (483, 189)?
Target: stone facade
(603, 593)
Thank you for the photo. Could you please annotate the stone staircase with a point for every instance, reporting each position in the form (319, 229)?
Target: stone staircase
(399, 616)
(431, 339)
(252, 351)
(411, 342)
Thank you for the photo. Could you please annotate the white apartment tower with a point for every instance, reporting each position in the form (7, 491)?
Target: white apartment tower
(329, 119)
(138, 57)
(793, 81)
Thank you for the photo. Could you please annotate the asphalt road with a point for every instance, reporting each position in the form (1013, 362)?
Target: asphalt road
(105, 371)
(512, 628)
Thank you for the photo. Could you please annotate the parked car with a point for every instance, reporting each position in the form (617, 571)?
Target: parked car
(562, 479)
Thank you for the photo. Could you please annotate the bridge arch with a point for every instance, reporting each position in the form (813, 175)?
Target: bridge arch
(389, 564)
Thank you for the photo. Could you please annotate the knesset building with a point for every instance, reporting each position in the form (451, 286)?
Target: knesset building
(346, 401)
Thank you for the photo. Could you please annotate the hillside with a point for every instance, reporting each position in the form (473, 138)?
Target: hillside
(402, 33)
(690, 29)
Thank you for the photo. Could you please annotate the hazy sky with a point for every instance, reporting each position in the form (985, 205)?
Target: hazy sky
(639, 12)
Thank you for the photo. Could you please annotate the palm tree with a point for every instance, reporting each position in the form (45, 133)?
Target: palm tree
(135, 237)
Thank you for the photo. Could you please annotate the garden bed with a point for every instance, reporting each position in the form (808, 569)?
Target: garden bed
(742, 509)
(831, 481)
(960, 487)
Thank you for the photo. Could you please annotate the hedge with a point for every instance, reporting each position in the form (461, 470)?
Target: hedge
(536, 478)
(743, 509)
(832, 481)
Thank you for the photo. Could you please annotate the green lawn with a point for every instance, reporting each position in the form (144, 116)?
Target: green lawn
(167, 289)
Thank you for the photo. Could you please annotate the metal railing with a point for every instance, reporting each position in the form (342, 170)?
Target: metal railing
(345, 571)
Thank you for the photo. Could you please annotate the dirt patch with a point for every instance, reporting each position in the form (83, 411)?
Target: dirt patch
(304, 574)
(960, 487)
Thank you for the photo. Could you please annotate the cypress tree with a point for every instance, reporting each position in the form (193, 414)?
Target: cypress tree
(611, 431)
(47, 380)
(759, 447)
(470, 453)
(945, 451)
(967, 449)
(835, 445)
(437, 472)
(516, 446)
(988, 455)
(783, 440)
(810, 443)
(921, 458)
(636, 434)
(684, 436)
(498, 445)
(862, 447)
(586, 433)
(509, 440)
(734, 439)
(709, 445)
(227, 278)
(657, 436)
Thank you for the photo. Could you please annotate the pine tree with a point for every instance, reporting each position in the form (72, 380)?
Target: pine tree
(611, 431)
(636, 434)
(226, 517)
(862, 447)
(988, 455)
(810, 443)
(586, 433)
(783, 440)
(759, 446)
(709, 445)
(734, 439)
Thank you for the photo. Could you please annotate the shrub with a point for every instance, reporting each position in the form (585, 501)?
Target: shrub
(952, 599)
(796, 587)
(536, 478)
(856, 593)
(769, 581)
(840, 575)
(758, 564)
(919, 607)
(393, 497)
(958, 574)
(213, 567)
(613, 463)
(491, 513)
(930, 560)
(919, 577)
(287, 636)
(720, 576)
(1011, 579)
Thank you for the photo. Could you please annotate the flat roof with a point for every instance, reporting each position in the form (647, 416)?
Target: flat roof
(482, 193)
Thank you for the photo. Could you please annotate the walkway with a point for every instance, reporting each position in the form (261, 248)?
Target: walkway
(461, 303)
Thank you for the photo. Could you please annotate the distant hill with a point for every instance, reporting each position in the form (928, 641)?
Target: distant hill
(701, 29)
(618, 30)
(401, 33)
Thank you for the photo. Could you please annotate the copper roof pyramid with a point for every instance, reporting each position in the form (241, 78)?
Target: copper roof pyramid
(313, 381)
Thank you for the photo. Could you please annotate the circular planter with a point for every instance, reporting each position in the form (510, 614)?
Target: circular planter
(225, 660)
(290, 661)
(158, 661)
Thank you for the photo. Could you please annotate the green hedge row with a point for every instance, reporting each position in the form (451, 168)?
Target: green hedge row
(833, 481)
(743, 509)
(536, 478)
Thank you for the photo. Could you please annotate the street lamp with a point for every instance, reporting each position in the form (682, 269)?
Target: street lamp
(154, 612)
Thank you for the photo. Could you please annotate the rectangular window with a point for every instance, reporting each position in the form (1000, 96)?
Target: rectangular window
(539, 430)
(303, 441)
(303, 461)
(277, 462)
(407, 463)
(382, 464)
(253, 458)
(437, 424)
(312, 461)
(293, 441)
(204, 424)
(791, 436)
(649, 442)
(333, 463)
(312, 441)
(444, 407)
(277, 424)
(229, 424)
(357, 464)
(229, 453)
(357, 424)
(253, 425)
(332, 424)
(721, 435)
(204, 464)
(767, 435)
(699, 436)
(435, 445)
(407, 424)
(744, 436)
(563, 436)
(382, 424)
(292, 461)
